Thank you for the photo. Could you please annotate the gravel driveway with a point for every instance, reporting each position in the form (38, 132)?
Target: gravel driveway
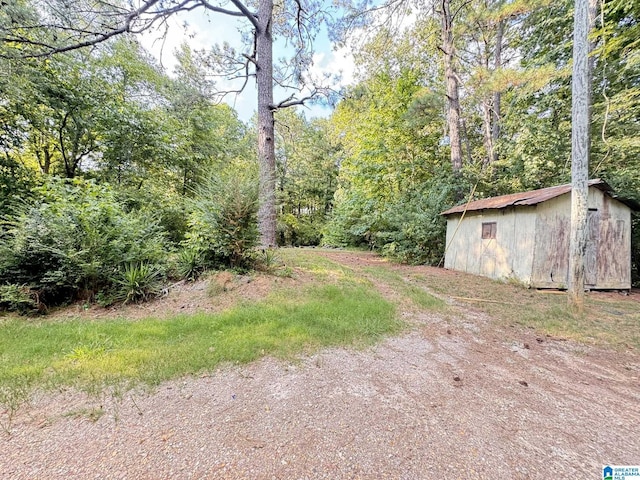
(454, 398)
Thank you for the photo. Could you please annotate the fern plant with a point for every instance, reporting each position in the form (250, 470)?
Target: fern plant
(18, 298)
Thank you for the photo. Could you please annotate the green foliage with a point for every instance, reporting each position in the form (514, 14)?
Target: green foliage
(307, 166)
(268, 259)
(353, 221)
(299, 231)
(154, 201)
(411, 229)
(16, 183)
(136, 282)
(73, 240)
(17, 298)
(222, 225)
(191, 263)
(393, 179)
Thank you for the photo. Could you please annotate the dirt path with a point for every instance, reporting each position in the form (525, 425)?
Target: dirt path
(452, 398)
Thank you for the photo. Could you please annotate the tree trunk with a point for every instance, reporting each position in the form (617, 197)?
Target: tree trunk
(580, 100)
(497, 96)
(491, 105)
(451, 82)
(487, 107)
(266, 147)
(487, 131)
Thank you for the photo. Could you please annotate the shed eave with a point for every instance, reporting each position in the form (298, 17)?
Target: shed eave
(534, 197)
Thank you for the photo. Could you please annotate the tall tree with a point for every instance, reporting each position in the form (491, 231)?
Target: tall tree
(85, 23)
(451, 84)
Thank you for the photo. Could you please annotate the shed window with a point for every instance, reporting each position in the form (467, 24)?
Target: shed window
(488, 230)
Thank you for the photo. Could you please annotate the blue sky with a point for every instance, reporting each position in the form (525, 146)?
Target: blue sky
(206, 29)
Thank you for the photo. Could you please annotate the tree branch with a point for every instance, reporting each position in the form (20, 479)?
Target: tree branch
(250, 59)
(253, 18)
(224, 11)
(291, 101)
(99, 37)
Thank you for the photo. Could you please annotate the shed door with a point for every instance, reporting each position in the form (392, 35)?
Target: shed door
(591, 253)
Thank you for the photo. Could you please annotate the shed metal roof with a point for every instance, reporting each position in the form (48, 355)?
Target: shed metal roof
(532, 197)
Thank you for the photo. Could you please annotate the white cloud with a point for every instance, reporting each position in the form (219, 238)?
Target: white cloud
(338, 62)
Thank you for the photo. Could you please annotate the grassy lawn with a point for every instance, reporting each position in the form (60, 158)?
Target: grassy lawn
(409, 289)
(337, 309)
(85, 354)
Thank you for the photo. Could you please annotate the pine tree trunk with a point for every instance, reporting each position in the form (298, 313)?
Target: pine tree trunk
(451, 82)
(266, 148)
(497, 96)
(580, 101)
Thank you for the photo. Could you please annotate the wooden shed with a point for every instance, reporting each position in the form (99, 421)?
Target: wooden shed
(525, 236)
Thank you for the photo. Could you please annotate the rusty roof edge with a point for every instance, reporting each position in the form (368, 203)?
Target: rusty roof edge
(535, 195)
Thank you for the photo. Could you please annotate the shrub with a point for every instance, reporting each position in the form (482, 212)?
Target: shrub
(353, 221)
(190, 263)
(223, 224)
(17, 298)
(299, 231)
(413, 231)
(16, 182)
(73, 240)
(409, 228)
(169, 209)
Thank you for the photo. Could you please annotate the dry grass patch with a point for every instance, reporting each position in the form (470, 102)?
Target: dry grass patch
(610, 319)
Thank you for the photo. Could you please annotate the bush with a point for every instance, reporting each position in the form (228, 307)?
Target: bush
(223, 224)
(73, 241)
(16, 183)
(191, 263)
(413, 231)
(17, 298)
(353, 221)
(409, 229)
(170, 210)
(298, 231)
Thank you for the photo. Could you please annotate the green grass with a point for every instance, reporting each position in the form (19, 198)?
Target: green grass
(95, 355)
(412, 290)
(320, 267)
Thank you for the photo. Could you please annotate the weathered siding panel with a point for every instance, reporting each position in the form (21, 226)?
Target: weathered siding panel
(550, 257)
(607, 258)
(591, 252)
(614, 247)
(524, 242)
(531, 243)
(508, 255)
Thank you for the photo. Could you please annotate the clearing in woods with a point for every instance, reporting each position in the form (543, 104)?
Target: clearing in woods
(482, 380)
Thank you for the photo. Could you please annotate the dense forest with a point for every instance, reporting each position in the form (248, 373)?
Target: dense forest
(118, 176)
